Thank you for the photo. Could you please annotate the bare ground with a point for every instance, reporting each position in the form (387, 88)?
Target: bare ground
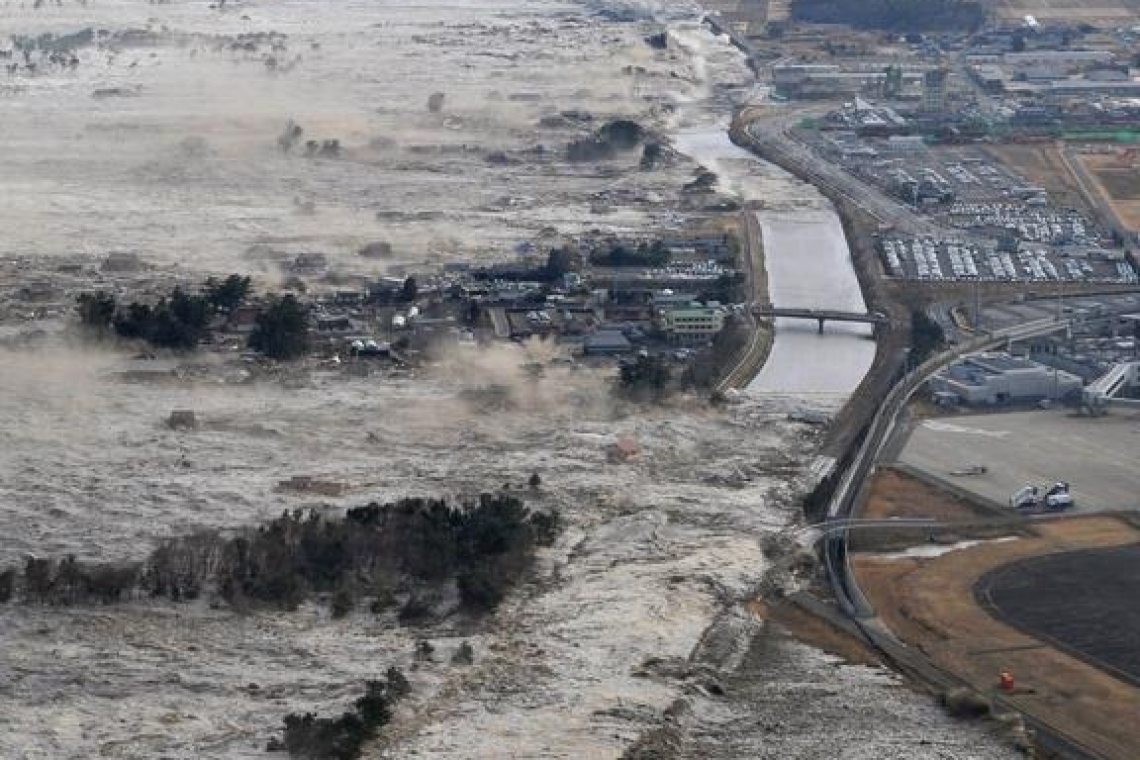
(930, 604)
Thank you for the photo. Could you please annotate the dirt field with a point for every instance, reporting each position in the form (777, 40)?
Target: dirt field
(1061, 11)
(1119, 184)
(930, 604)
(897, 494)
(1081, 601)
(1042, 166)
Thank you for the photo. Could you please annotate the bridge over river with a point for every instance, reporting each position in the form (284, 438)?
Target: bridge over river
(820, 315)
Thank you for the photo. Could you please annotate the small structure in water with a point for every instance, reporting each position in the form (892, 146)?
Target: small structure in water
(182, 419)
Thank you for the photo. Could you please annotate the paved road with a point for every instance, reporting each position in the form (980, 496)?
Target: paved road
(774, 134)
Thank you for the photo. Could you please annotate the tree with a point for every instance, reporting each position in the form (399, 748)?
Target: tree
(289, 137)
(926, 337)
(343, 738)
(96, 310)
(190, 316)
(655, 254)
(463, 655)
(282, 330)
(647, 378)
(7, 585)
(559, 262)
(227, 295)
(342, 604)
(409, 291)
(179, 322)
(651, 155)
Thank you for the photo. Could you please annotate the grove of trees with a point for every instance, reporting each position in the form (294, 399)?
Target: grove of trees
(179, 321)
(414, 545)
(655, 254)
(926, 337)
(646, 378)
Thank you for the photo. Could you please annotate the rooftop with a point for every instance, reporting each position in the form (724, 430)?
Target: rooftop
(1002, 363)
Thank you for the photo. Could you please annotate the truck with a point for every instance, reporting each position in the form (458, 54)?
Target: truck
(1056, 498)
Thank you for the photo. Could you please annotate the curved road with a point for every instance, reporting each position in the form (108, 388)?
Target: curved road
(844, 501)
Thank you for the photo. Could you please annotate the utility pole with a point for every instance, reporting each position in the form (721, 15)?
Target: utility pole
(1060, 315)
(977, 305)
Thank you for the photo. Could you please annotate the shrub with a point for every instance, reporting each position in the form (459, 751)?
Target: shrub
(342, 738)
(342, 604)
(964, 703)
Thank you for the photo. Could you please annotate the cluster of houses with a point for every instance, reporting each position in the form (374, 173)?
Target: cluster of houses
(595, 311)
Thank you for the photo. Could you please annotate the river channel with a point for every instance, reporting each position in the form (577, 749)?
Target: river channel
(808, 264)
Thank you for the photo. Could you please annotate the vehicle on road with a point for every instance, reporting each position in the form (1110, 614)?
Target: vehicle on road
(1056, 499)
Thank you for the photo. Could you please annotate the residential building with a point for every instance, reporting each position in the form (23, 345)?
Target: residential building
(691, 324)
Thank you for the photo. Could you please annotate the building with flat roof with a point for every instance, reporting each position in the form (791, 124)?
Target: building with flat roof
(692, 324)
(1072, 58)
(607, 343)
(999, 378)
(1081, 88)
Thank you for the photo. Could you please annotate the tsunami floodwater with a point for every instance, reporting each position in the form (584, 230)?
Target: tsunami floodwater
(176, 160)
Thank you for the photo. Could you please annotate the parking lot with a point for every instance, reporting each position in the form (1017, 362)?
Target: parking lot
(927, 258)
(1010, 230)
(1097, 456)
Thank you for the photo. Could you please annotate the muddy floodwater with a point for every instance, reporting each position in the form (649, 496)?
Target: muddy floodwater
(159, 132)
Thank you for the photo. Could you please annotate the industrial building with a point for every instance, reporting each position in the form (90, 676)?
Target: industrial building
(1085, 88)
(934, 90)
(811, 80)
(998, 378)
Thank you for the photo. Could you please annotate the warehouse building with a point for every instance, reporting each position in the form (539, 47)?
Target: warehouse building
(998, 378)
